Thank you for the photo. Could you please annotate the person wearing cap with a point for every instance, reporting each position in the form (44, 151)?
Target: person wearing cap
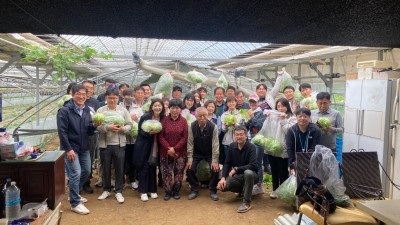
(176, 92)
(241, 104)
(254, 125)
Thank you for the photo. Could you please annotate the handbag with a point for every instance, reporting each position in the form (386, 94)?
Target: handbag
(153, 158)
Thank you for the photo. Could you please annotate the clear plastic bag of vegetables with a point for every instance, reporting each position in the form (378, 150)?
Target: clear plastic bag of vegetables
(164, 85)
(146, 107)
(310, 103)
(272, 131)
(222, 82)
(324, 166)
(188, 116)
(151, 125)
(286, 80)
(113, 117)
(244, 113)
(134, 130)
(63, 99)
(195, 77)
(286, 191)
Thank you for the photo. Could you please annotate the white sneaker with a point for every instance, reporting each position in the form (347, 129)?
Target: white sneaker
(144, 197)
(273, 195)
(104, 195)
(257, 190)
(120, 198)
(83, 200)
(153, 195)
(134, 185)
(80, 209)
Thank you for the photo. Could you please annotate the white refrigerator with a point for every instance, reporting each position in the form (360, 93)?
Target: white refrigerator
(370, 123)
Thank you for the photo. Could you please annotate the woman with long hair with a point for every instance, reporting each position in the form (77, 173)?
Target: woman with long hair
(145, 142)
(189, 103)
(279, 164)
(228, 128)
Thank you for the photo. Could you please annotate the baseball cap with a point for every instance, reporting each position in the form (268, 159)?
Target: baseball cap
(253, 97)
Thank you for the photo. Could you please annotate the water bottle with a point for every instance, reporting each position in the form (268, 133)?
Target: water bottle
(3, 198)
(13, 202)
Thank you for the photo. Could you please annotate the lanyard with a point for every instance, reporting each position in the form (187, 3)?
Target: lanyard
(304, 147)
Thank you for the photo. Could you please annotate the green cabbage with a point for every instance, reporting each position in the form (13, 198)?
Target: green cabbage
(230, 120)
(286, 81)
(151, 125)
(244, 113)
(203, 171)
(310, 103)
(188, 116)
(98, 118)
(222, 82)
(297, 96)
(164, 85)
(134, 131)
(112, 117)
(260, 140)
(146, 107)
(286, 191)
(63, 99)
(274, 147)
(195, 77)
(324, 123)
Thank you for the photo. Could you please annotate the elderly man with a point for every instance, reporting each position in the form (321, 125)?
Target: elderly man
(202, 144)
(328, 136)
(74, 125)
(240, 169)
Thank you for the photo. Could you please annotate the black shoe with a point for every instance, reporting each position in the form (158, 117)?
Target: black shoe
(193, 195)
(214, 196)
(177, 195)
(87, 188)
(167, 196)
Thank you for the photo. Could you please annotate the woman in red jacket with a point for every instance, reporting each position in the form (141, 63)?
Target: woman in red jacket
(173, 140)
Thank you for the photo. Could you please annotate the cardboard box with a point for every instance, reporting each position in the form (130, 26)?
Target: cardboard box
(386, 75)
(376, 64)
(366, 73)
(351, 75)
(10, 151)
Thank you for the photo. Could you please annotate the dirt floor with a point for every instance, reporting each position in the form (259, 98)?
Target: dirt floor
(201, 210)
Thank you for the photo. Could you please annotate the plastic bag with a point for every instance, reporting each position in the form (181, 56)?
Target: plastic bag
(188, 116)
(310, 103)
(195, 77)
(286, 191)
(323, 165)
(272, 131)
(222, 82)
(113, 117)
(164, 85)
(244, 113)
(286, 81)
(134, 130)
(153, 158)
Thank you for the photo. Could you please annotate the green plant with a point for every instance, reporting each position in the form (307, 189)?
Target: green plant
(268, 179)
(61, 57)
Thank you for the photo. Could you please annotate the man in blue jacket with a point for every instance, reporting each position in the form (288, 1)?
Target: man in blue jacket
(74, 125)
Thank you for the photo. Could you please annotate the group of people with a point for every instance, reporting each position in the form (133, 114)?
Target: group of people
(235, 164)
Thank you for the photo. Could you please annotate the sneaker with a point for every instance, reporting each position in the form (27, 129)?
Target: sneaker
(273, 195)
(82, 199)
(177, 195)
(134, 185)
(80, 209)
(257, 190)
(144, 197)
(214, 196)
(104, 195)
(153, 195)
(244, 207)
(193, 195)
(99, 183)
(120, 198)
(167, 196)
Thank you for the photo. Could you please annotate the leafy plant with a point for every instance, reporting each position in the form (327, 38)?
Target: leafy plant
(61, 57)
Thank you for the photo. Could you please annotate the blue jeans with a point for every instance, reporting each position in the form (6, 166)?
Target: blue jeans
(260, 154)
(78, 173)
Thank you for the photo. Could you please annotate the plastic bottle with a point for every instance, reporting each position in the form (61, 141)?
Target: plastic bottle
(3, 198)
(13, 202)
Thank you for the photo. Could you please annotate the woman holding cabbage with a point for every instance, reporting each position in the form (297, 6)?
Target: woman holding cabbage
(229, 119)
(279, 161)
(173, 141)
(112, 141)
(146, 144)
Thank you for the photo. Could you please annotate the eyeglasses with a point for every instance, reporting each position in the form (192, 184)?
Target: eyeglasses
(80, 94)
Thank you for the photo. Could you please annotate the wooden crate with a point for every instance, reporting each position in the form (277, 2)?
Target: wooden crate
(351, 75)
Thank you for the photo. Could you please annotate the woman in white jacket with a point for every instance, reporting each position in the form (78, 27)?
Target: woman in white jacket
(228, 128)
(279, 164)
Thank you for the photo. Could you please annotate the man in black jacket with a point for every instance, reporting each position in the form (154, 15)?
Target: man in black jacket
(240, 169)
(74, 125)
(302, 137)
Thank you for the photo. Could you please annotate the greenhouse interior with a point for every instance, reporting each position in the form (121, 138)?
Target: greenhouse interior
(302, 96)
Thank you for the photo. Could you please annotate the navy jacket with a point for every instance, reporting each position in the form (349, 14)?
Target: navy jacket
(143, 144)
(255, 124)
(73, 129)
(293, 143)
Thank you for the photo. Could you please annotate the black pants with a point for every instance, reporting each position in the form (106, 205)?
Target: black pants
(116, 154)
(192, 178)
(130, 169)
(279, 170)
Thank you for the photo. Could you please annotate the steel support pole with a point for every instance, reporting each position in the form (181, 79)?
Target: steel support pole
(37, 96)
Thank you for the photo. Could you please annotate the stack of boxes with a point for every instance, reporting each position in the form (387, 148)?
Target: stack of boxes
(367, 70)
